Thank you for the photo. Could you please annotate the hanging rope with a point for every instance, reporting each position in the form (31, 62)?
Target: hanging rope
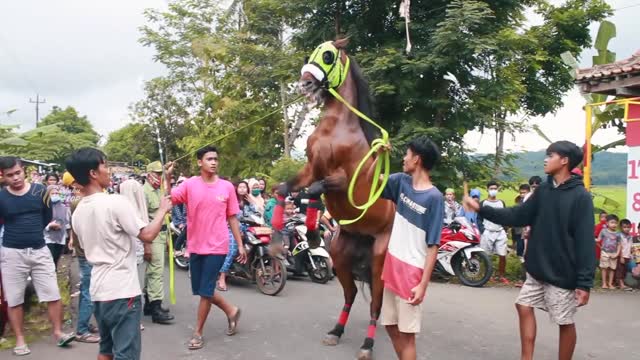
(404, 11)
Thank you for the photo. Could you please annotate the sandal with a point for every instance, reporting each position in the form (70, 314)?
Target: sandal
(196, 342)
(94, 329)
(221, 288)
(21, 350)
(88, 338)
(66, 339)
(233, 323)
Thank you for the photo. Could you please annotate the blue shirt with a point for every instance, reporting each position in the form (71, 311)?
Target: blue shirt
(25, 218)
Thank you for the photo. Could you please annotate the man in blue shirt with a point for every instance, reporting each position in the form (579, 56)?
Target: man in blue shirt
(25, 211)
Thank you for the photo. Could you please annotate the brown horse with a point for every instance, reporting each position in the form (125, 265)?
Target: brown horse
(339, 142)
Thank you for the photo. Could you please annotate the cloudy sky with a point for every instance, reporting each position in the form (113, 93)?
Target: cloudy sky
(85, 54)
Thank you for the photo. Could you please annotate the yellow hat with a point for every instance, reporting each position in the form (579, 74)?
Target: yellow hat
(67, 179)
(155, 167)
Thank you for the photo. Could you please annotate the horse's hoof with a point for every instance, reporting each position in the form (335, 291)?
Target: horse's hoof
(331, 340)
(365, 354)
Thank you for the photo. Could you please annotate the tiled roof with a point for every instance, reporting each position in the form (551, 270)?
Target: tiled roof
(619, 68)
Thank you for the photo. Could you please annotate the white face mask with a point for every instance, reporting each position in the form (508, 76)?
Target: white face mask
(493, 193)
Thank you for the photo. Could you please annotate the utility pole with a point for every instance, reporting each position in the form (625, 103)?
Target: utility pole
(37, 102)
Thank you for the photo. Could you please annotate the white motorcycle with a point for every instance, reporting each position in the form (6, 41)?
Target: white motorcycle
(301, 258)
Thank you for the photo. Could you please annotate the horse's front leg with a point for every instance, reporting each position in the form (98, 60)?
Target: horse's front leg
(377, 288)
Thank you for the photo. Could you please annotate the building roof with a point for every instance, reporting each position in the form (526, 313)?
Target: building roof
(620, 78)
(619, 68)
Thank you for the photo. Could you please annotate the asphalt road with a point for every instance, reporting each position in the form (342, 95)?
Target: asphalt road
(459, 323)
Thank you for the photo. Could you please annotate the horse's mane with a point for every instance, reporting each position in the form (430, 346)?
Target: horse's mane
(365, 102)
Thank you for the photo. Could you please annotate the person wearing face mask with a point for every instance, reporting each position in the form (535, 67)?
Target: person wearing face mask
(154, 252)
(494, 236)
(255, 196)
(55, 233)
(451, 206)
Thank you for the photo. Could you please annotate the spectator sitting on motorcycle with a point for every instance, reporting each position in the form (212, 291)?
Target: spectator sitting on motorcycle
(289, 212)
(246, 201)
(451, 206)
(255, 196)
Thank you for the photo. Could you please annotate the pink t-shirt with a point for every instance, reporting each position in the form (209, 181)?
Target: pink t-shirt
(208, 207)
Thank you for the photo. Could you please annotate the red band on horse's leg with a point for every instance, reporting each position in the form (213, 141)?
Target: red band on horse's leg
(344, 315)
(277, 221)
(312, 216)
(371, 330)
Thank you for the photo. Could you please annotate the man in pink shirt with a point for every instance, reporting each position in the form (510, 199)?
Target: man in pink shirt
(211, 204)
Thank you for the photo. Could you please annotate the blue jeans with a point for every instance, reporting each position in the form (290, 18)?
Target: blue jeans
(85, 305)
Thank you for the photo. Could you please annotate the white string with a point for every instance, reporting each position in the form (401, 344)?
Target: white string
(405, 13)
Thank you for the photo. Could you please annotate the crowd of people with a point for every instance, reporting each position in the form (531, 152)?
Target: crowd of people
(85, 203)
(617, 251)
(118, 232)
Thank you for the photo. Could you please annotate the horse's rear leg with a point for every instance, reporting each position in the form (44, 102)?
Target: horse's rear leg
(377, 288)
(342, 265)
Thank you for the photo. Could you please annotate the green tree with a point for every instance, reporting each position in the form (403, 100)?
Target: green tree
(501, 67)
(57, 135)
(69, 121)
(228, 67)
(131, 143)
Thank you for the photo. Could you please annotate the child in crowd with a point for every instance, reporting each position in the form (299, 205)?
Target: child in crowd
(289, 212)
(596, 232)
(494, 237)
(625, 256)
(611, 245)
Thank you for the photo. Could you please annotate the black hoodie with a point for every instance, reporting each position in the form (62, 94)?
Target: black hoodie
(561, 246)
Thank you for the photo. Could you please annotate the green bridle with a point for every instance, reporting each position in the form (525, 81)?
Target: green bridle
(325, 65)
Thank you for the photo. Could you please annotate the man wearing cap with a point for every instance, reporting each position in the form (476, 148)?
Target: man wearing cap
(451, 207)
(154, 253)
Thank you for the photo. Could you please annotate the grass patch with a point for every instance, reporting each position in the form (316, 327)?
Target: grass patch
(36, 319)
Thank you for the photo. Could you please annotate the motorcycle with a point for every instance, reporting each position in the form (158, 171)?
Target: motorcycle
(268, 271)
(460, 254)
(301, 258)
(181, 261)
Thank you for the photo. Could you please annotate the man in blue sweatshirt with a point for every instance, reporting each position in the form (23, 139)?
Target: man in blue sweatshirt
(560, 258)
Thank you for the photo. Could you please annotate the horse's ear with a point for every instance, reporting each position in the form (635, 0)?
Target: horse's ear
(341, 43)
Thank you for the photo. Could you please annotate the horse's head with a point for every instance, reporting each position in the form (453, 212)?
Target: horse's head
(326, 68)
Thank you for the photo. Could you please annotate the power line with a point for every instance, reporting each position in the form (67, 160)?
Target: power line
(37, 102)
(627, 7)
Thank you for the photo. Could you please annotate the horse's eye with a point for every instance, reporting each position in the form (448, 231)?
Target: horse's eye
(328, 57)
(306, 59)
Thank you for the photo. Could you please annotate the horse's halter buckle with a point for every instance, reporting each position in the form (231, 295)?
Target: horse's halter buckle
(325, 65)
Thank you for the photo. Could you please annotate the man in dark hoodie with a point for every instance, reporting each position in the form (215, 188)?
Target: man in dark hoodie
(560, 257)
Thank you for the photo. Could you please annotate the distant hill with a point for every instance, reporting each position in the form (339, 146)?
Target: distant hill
(609, 168)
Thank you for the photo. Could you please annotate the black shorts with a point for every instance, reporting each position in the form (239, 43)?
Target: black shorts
(119, 325)
(204, 273)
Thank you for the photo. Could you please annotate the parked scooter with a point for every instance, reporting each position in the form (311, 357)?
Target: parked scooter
(460, 254)
(268, 271)
(301, 259)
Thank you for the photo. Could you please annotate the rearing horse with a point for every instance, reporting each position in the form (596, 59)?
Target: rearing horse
(340, 141)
